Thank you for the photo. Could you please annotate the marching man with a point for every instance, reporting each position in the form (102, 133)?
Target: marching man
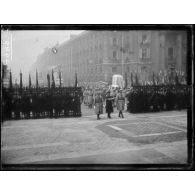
(109, 104)
(120, 102)
(98, 105)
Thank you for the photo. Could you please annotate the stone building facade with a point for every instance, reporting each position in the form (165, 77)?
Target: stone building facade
(97, 55)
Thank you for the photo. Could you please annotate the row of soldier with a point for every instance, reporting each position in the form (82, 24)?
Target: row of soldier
(40, 105)
(55, 105)
(139, 99)
(158, 98)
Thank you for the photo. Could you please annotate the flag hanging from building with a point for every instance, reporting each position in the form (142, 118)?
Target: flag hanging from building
(21, 84)
(76, 82)
(48, 80)
(125, 80)
(136, 79)
(131, 79)
(53, 80)
(60, 77)
(176, 79)
(10, 80)
(30, 81)
(37, 82)
(153, 79)
(157, 79)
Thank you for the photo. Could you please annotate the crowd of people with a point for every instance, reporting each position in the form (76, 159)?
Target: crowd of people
(148, 98)
(166, 90)
(163, 93)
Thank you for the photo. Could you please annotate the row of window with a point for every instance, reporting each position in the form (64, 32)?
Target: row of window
(94, 47)
(144, 54)
(114, 69)
(90, 69)
(115, 41)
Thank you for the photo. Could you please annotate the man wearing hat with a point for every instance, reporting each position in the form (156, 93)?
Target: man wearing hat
(120, 102)
(109, 103)
(98, 105)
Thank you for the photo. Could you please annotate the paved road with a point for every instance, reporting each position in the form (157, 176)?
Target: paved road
(139, 138)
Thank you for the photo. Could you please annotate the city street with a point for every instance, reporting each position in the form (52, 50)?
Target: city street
(147, 138)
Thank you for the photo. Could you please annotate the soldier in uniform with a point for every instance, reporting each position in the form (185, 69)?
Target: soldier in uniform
(98, 105)
(109, 104)
(17, 106)
(35, 106)
(120, 102)
(26, 106)
(7, 105)
(57, 105)
(66, 103)
(90, 99)
(85, 95)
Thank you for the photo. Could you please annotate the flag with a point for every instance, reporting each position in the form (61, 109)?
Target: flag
(10, 80)
(157, 80)
(48, 80)
(153, 79)
(160, 77)
(125, 80)
(60, 77)
(29, 81)
(76, 82)
(171, 76)
(136, 79)
(176, 79)
(37, 82)
(132, 79)
(179, 76)
(53, 80)
(163, 79)
(21, 80)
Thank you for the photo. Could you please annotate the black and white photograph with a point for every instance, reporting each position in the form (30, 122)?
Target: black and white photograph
(96, 97)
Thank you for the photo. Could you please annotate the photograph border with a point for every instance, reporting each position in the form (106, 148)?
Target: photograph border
(119, 167)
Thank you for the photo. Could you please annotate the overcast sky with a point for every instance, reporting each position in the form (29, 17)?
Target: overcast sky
(27, 45)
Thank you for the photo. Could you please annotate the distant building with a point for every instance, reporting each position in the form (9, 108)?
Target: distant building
(97, 55)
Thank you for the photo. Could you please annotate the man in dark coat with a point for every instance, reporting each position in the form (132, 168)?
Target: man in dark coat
(109, 104)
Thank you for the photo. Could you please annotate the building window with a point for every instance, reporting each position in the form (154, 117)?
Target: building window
(114, 40)
(144, 38)
(114, 54)
(127, 59)
(114, 69)
(144, 53)
(100, 69)
(126, 45)
(170, 53)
